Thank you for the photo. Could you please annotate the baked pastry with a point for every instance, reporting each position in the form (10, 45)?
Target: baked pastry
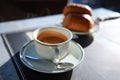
(77, 17)
(78, 22)
(77, 8)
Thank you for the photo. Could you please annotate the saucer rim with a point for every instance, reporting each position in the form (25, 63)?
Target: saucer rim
(25, 62)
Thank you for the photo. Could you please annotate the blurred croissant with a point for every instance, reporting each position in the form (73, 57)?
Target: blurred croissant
(77, 17)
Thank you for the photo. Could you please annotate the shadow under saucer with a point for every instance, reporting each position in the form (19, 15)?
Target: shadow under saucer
(34, 75)
(83, 40)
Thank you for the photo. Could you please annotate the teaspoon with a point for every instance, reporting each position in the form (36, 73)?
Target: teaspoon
(60, 66)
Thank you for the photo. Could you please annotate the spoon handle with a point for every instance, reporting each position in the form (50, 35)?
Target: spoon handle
(31, 58)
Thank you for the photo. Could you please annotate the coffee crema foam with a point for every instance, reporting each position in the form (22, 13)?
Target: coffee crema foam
(52, 37)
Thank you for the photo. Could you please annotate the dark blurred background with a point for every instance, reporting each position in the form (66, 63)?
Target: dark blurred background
(21, 9)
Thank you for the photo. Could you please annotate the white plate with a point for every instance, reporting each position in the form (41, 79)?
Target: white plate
(94, 29)
(75, 57)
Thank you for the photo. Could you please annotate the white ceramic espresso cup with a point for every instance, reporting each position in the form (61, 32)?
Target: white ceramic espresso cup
(52, 51)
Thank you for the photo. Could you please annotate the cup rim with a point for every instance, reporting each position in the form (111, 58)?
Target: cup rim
(50, 44)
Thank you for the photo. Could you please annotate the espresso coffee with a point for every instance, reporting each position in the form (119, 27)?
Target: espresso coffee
(52, 37)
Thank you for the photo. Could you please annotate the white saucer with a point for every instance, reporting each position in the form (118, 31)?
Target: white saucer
(75, 57)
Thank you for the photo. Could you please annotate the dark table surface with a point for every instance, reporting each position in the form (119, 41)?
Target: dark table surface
(102, 51)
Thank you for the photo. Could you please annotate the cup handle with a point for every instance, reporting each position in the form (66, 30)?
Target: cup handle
(56, 59)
